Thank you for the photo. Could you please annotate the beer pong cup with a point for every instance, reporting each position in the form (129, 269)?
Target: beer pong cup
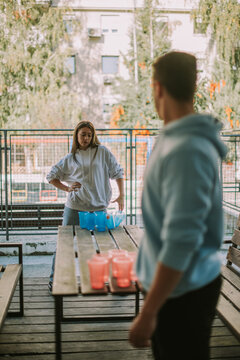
(123, 266)
(109, 221)
(82, 219)
(99, 257)
(117, 252)
(133, 275)
(90, 220)
(112, 254)
(97, 270)
(100, 220)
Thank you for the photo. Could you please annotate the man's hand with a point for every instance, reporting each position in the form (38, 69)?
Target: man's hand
(143, 327)
(141, 331)
(120, 201)
(76, 185)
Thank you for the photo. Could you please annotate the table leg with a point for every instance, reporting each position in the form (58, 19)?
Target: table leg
(137, 303)
(58, 318)
(21, 298)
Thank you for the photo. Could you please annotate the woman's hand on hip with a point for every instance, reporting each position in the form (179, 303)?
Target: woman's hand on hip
(120, 201)
(76, 185)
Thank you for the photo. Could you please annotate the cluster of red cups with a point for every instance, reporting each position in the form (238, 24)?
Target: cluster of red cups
(119, 262)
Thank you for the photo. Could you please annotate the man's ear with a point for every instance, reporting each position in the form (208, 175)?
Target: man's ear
(158, 89)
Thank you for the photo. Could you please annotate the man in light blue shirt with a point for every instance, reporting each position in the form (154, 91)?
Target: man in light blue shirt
(178, 263)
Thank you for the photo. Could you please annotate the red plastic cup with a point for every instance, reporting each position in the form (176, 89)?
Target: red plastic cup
(133, 275)
(106, 257)
(114, 253)
(97, 270)
(123, 265)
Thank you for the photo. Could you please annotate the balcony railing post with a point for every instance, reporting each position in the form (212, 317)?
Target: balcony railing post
(131, 176)
(6, 183)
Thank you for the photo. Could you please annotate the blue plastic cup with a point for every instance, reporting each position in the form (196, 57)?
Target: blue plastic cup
(100, 220)
(82, 219)
(90, 220)
(118, 218)
(109, 221)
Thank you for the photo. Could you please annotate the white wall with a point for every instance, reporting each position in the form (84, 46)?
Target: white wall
(93, 93)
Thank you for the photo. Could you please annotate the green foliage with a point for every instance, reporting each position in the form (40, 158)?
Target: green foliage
(222, 17)
(136, 98)
(33, 76)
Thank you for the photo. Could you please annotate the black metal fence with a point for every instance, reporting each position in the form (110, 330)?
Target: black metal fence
(26, 157)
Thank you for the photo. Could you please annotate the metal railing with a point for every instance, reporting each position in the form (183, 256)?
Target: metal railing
(26, 157)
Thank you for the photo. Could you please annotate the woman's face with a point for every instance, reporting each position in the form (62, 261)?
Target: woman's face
(84, 137)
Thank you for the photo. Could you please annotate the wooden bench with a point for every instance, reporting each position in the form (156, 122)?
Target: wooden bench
(32, 216)
(65, 282)
(228, 307)
(10, 276)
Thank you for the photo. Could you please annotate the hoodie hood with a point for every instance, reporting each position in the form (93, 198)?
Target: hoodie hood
(201, 125)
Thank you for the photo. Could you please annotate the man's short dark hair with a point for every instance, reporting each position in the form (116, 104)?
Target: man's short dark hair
(177, 72)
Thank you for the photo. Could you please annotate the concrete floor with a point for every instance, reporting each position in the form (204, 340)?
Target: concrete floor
(33, 266)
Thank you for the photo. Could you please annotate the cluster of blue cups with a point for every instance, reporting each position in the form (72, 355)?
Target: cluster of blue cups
(99, 220)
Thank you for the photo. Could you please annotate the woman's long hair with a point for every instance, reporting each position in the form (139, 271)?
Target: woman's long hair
(94, 141)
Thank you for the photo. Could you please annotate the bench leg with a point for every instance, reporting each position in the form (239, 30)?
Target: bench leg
(137, 303)
(21, 299)
(58, 318)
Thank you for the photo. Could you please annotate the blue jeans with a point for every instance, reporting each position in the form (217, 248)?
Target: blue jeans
(70, 217)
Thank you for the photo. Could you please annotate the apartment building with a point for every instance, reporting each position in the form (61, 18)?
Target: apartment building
(98, 49)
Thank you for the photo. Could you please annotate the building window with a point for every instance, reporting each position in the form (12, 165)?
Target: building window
(71, 64)
(68, 26)
(18, 155)
(201, 63)
(199, 27)
(107, 108)
(110, 64)
(110, 24)
(162, 25)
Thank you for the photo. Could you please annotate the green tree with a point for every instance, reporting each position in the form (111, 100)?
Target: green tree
(35, 45)
(149, 39)
(220, 92)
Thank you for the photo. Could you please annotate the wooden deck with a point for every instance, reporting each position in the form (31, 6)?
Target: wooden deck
(32, 337)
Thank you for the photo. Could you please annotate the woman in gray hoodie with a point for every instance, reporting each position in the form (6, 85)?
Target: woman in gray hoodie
(85, 175)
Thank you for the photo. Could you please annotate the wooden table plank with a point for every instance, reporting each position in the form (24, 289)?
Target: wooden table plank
(115, 289)
(122, 239)
(65, 280)
(135, 232)
(8, 283)
(104, 240)
(85, 252)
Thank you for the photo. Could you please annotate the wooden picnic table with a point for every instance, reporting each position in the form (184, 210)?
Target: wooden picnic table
(83, 246)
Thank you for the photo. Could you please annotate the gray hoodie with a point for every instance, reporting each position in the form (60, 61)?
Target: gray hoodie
(92, 168)
(182, 204)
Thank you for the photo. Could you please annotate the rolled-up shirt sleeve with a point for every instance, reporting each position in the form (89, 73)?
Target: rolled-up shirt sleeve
(57, 171)
(115, 169)
(186, 196)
